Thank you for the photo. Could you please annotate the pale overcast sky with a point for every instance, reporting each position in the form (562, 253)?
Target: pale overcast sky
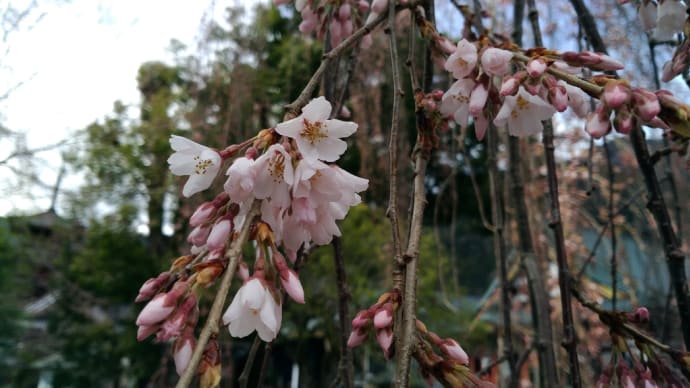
(79, 59)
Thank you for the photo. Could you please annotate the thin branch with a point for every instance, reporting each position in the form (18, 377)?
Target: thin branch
(268, 348)
(247, 370)
(211, 325)
(294, 107)
(497, 215)
(556, 224)
(612, 227)
(345, 367)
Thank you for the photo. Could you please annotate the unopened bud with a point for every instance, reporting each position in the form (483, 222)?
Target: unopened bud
(356, 338)
(152, 286)
(155, 311)
(202, 214)
(291, 284)
(384, 316)
(454, 351)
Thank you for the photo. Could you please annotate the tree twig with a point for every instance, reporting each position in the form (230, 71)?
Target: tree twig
(247, 370)
(211, 325)
(345, 367)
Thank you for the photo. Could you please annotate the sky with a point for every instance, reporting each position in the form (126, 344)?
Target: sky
(74, 62)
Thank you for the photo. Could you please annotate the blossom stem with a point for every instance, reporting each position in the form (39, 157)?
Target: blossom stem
(211, 325)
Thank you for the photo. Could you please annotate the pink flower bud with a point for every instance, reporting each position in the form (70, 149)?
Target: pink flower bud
(176, 292)
(356, 338)
(378, 6)
(146, 330)
(344, 11)
(615, 94)
(536, 67)
(598, 123)
(347, 27)
(155, 311)
(202, 214)
(510, 85)
(173, 325)
(151, 286)
(219, 234)
(437, 94)
(496, 61)
(384, 316)
(345, 112)
(624, 121)
(362, 6)
(182, 353)
(558, 97)
(481, 123)
(362, 319)
(446, 45)
(336, 32)
(478, 98)
(646, 103)
(656, 122)
(385, 338)
(198, 236)
(641, 315)
(291, 284)
(454, 351)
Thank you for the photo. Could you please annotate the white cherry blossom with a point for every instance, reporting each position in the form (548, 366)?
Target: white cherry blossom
(523, 113)
(254, 308)
(274, 175)
(318, 137)
(201, 163)
(463, 61)
(670, 19)
(241, 177)
(457, 99)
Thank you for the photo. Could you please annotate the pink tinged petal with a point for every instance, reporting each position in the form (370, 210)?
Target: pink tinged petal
(154, 312)
(146, 330)
(339, 128)
(199, 235)
(330, 149)
(384, 316)
(615, 95)
(183, 354)
(481, 123)
(509, 86)
(558, 97)
(243, 271)
(624, 121)
(244, 325)
(478, 98)
(463, 61)
(446, 45)
(385, 338)
(362, 319)
(356, 338)
(453, 350)
(291, 128)
(219, 235)
(202, 214)
(536, 67)
(496, 61)
(292, 285)
(253, 295)
(318, 109)
(456, 101)
(151, 286)
(577, 99)
(598, 123)
(379, 6)
(647, 13)
(646, 104)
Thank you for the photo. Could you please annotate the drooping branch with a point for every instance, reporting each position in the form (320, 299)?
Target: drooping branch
(497, 215)
(657, 206)
(211, 325)
(535, 281)
(345, 368)
(556, 224)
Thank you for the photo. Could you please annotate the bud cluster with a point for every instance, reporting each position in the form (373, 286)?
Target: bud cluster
(380, 316)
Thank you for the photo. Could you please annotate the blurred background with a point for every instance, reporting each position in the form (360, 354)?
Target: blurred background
(91, 92)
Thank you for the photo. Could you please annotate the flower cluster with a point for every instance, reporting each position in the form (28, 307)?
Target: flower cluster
(285, 172)
(339, 19)
(641, 365)
(380, 315)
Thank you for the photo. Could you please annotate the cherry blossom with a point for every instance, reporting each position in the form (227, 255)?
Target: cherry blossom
(456, 101)
(241, 179)
(274, 174)
(496, 61)
(523, 113)
(254, 308)
(318, 137)
(463, 61)
(199, 162)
